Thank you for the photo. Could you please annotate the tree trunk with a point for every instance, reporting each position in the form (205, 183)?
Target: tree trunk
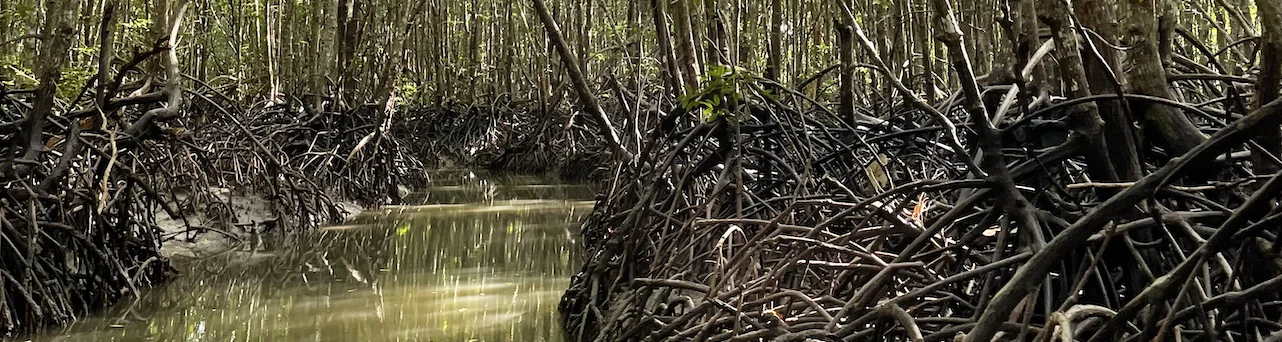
(775, 55)
(846, 49)
(1102, 72)
(1011, 201)
(926, 47)
(439, 47)
(717, 50)
(58, 32)
(271, 18)
(6, 23)
(743, 49)
(106, 41)
(1169, 127)
(173, 79)
(1083, 119)
(347, 39)
(159, 14)
(474, 44)
(396, 51)
(886, 48)
(585, 39)
(1239, 23)
(1269, 83)
(316, 76)
(1222, 35)
(513, 45)
(580, 85)
(1026, 43)
(673, 80)
(686, 56)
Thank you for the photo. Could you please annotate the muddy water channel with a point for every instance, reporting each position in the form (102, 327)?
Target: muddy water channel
(474, 259)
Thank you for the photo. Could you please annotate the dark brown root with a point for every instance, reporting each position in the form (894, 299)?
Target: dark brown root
(80, 229)
(794, 223)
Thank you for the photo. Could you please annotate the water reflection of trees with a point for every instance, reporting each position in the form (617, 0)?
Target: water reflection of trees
(415, 272)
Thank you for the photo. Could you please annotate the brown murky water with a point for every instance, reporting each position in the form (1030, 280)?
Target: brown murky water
(479, 260)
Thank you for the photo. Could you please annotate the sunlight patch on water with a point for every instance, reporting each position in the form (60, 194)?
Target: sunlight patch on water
(490, 271)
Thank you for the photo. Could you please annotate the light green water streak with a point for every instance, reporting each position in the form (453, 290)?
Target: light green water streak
(480, 260)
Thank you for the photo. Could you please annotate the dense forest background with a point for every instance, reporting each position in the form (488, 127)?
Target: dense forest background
(345, 54)
(447, 52)
(775, 170)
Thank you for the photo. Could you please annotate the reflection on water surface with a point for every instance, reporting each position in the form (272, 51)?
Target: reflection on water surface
(479, 260)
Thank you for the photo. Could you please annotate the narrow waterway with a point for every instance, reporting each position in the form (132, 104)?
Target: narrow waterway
(474, 259)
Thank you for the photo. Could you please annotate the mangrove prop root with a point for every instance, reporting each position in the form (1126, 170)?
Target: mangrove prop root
(80, 229)
(792, 224)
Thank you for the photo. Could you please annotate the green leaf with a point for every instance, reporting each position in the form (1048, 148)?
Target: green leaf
(709, 115)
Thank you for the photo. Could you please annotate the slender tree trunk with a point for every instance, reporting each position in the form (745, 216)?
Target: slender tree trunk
(580, 84)
(159, 13)
(774, 60)
(896, 38)
(173, 78)
(473, 57)
(7, 21)
(744, 49)
(347, 40)
(271, 18)
(886, 48)
(396, 50)
(582, 11)
(289, 26)
(1239, 24)
(258, 53)
(1222, 36)
(316, 75)
(198, 66)
(106, 42)
(342, 16)
(1026, 43)
(926, 47)
(1167, 20)
(717, 52)
(440, 50)
(1103, 73)
(686, 56)
(58, 31)
(509, 61)
(1002, 69)
(663, 37)
(1083, 118)
(796, 41)
(1269, 83)
(1168, 126)
(846, 49)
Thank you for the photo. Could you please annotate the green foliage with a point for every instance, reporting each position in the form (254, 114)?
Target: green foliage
(137, 24)
(23, 11)
(407, 89)
(73, 79)
(135, 31)
(719, 95)
(14, 75)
